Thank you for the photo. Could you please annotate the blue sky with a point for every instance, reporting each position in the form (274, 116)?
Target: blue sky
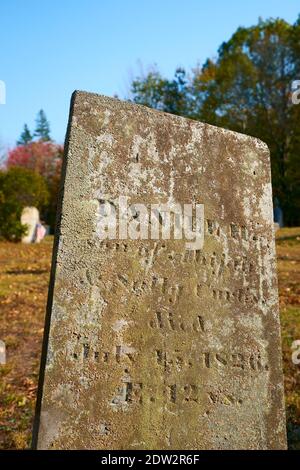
(50, 48)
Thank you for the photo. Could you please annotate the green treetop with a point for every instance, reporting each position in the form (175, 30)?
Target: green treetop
(42, 130)
(25, 137)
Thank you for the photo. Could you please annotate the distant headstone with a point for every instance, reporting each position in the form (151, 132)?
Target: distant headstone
(31, 218)
(278, 213)
(40, 232)
(162, 329)
(2, 353)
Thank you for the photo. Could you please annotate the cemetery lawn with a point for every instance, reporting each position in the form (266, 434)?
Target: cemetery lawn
(24, 277)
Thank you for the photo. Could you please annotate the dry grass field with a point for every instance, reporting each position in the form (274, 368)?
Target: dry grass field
(24, 276)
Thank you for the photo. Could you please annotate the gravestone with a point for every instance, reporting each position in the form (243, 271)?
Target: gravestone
(156, 339)
(278, 213)
(2, 353)
(30, 217)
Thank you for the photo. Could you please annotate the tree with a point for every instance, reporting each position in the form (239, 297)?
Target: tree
(19, 187)
(247, 89)
(25, 137)
(171, 96)
(44, 158)
(2, 156)
(42, 130)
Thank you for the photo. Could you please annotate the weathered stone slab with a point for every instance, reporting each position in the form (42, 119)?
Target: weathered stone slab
(161, 344)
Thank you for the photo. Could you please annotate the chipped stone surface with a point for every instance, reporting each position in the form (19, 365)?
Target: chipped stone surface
(149, 345)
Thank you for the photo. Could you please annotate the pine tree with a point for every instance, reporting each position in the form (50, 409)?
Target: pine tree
(25, 137)
(42, 130)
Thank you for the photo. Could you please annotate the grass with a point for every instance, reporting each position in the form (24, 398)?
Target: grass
(24, 277)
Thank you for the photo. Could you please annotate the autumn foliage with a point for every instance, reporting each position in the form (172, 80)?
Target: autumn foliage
(44, 158)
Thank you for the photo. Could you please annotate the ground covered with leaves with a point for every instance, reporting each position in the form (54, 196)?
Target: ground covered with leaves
(288, 256)
(24, 277)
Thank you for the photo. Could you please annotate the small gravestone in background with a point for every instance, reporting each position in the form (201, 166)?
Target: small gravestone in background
(31, 218)
(40, 233)
(278, 213)
(2, 353)
(161, 342)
